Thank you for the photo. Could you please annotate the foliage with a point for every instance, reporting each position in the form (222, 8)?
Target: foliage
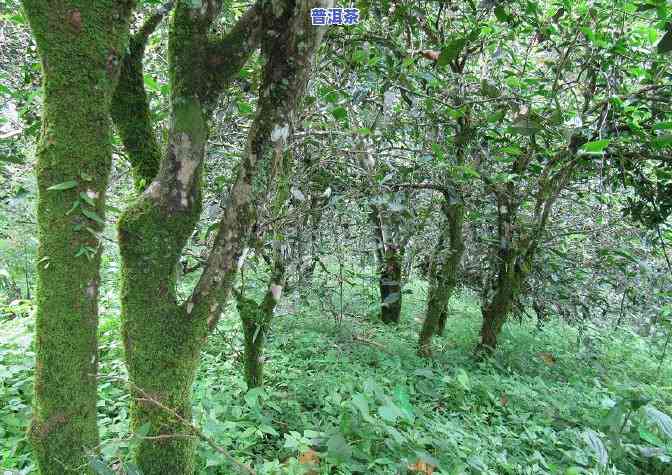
(363, 409)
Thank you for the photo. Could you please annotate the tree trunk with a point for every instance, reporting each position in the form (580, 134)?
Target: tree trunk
(495, 311)
(78, 44)
(389, 258)
(256, 324)
(443, 274)
(390, 284)
(163, 337)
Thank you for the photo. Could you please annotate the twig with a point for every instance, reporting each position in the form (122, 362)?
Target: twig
(188, 425)
(372, 343)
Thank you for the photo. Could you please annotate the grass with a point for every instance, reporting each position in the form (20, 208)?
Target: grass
(350, 396)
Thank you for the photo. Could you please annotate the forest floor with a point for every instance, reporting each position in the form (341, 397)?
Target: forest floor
(350, 396)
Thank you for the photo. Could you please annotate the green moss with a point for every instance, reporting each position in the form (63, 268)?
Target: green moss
(256, 321)
(78, 44)
(161, 341)
(443, 276)
(130, 112)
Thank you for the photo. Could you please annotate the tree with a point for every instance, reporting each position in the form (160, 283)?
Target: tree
(81, 46)
(163, 337)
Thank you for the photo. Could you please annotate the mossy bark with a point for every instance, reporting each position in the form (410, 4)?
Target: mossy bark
(162, 336)
(389, 258)
(443, 274)
(256, 319)
(389, 283)
(79, 45)
(162, 340)
(495, 311)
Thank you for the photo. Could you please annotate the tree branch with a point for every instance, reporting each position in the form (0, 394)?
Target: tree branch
(130, 106)
(225, 56)
(289, 43)
(196, 431)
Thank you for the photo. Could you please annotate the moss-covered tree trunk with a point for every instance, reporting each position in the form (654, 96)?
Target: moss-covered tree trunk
(389, 259)
(79, 45)
(257, 319)
(511, 267)
(389, 283)
(495, 311)
(163, 337)
(443, 273)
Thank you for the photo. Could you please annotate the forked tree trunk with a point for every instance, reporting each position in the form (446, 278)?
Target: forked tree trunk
(79, 44)
(163, 337)
(443, 274)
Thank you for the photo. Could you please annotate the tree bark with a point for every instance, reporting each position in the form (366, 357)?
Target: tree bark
(443, 274)
(79, 45)
(162, 336)
(256, 319)
(390, 284)
(389, 258)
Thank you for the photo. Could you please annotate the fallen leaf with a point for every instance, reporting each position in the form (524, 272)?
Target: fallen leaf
(547, 357)
(432, 55)
(504, 399)
(76, 20)
(310, 457)
(422, 467)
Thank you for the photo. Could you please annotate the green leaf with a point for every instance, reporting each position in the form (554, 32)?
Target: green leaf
(131, 469)
(88, 200)
(360, 402)
(662, 142)
(339, 113)
(496, 116)
(99, 467)
(252, 397)
(463, 378)
(662, 126)
(244, 107)
(338, 448)
(596, 147)
(501, 14)
(151, 83)
(451, 51)
(66, 185)
(662, 420)
(92, 215)
(390, 412)
(649, 437)
(526, 127)
(489, 89)
(268, 430)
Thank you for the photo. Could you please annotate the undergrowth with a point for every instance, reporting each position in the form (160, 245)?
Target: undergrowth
(349, 396)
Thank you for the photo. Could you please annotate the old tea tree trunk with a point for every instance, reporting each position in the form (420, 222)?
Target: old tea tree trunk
(163, 336)
(518, 241)
(443, 271)
(79, 45)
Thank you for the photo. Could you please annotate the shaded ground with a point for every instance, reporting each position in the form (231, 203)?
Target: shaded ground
(351, 397)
